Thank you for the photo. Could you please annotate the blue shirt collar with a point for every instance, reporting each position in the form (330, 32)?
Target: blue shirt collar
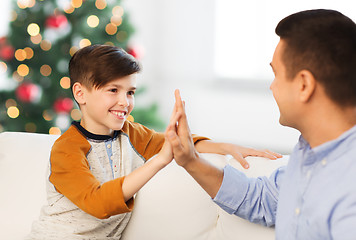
(320, 152)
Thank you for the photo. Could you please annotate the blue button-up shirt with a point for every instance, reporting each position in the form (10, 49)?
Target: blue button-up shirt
(313, 197)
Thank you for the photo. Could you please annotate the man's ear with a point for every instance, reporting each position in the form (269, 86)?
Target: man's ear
(306, 84)
(78, 93)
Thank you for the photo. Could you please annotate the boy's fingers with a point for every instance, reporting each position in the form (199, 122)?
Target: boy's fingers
(263, 153)
(174, 141)
(267, 154)
(241, 160)
(274, 154)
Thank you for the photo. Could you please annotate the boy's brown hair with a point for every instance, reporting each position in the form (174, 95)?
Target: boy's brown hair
(97, 65)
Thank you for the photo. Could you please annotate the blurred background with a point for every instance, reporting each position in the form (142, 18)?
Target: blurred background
(217, 52)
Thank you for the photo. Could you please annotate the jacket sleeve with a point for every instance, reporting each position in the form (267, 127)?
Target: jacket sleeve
(148, 142)
(71, 176)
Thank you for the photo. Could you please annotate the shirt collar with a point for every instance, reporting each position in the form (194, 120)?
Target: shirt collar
(93, 136)
(320, 152)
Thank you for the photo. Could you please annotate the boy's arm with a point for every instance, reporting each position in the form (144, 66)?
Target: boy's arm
(71, 176)
(140, 176)
(238, 152)
(146, 141)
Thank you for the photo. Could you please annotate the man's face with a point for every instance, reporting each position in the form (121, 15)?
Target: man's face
(107, 107)
(283, 89)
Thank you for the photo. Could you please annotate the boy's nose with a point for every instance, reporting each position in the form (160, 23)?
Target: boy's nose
(123, 101)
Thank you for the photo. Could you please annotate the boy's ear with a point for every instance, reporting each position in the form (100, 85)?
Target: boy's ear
(307, 85)
(78, 93)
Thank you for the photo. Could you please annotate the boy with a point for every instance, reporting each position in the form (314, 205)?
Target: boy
(97, 165)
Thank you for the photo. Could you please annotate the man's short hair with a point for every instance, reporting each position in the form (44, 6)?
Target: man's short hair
(323, 42)
(97, 65)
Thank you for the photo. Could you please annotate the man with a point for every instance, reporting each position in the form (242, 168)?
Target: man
(314, 196)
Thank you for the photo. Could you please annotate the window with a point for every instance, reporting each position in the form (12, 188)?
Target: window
(245, 38)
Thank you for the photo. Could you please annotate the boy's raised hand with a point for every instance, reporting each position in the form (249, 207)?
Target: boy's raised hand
(179, 136)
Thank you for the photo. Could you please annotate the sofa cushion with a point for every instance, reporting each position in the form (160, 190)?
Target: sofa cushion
(173, 204)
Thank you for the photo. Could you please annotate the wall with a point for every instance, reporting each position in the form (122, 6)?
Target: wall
(178, 39)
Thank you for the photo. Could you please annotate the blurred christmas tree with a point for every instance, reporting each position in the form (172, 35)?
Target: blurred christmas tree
(43, 35)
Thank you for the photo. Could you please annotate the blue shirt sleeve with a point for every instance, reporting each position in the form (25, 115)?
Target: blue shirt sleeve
(254, 199)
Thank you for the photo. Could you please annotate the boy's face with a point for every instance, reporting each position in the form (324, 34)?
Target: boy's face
(105, 109)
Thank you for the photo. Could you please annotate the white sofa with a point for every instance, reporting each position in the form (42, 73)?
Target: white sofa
(170, 206)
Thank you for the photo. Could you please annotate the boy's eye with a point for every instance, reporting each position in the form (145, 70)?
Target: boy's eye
(113, 90)
(131, 93)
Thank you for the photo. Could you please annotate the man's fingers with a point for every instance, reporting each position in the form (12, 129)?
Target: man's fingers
(183, 126)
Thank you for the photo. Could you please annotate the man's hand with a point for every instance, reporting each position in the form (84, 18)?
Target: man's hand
(179, 136)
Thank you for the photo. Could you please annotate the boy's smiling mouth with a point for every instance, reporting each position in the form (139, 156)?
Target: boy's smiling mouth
(119, 114)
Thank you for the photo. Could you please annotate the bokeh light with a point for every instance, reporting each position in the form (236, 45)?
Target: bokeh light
(36, 39)
(69, 9)
(3, 67)
(76, 114)
(33, 29)
(77, 3)
(84, 43)
(48, 115)
(23, 70)
(46, 45)
(116, 20)
(17, 77)
(93, 21)
(54, 131)
(13, 16)
(20, 55)
(65, 82)
(100, 4)
(73, 50)
(111, 29)
(13, 112)
(29, 52)
(46, 70)
(118, 11)
(10, 103)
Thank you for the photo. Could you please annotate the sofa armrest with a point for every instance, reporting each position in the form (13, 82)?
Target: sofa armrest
(23, 162)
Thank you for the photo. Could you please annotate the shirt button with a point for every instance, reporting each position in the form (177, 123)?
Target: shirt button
(323, 162)
(308, 174)
(108, 146)
(297, 211)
